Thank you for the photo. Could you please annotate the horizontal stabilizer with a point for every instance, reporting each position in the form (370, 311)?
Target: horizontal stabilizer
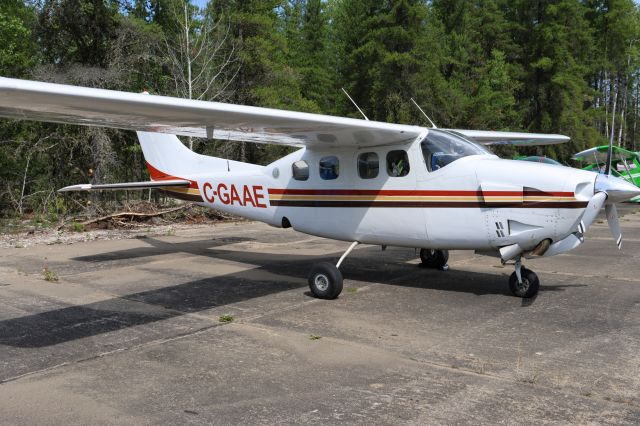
(126, 186)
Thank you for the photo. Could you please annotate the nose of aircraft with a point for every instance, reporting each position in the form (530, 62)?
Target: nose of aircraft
(617, 189)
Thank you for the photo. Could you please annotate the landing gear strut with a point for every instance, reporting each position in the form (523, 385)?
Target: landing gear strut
(523, 282)
(435, 258)
(325, 279)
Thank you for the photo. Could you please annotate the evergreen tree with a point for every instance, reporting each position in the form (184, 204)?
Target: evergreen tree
(18, 50)
(306, 26)
(557, 44)
(77, 30)
(378, 43)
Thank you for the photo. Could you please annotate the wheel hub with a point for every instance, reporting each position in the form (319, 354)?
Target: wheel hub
(321, 282)
(523, 286)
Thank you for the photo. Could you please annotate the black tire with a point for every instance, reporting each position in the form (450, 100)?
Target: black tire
(434, 258)
(529, 287)
(325, 281)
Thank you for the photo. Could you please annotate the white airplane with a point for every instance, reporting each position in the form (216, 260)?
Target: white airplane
(360, 181)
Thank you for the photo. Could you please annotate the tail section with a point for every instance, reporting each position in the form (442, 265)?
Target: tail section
(167, 157)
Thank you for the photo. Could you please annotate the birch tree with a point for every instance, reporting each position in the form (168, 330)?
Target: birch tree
(201, 54)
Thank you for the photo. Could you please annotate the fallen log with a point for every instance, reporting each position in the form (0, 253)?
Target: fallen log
(132, 215)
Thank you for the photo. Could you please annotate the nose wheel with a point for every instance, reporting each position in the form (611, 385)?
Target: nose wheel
(523, 282)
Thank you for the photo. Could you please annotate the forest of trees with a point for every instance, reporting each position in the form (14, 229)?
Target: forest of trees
(560, 66)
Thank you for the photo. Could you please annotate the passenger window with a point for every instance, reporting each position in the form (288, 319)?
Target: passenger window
(300, 170)
(329, 167)
(397, 163)
(368, 165)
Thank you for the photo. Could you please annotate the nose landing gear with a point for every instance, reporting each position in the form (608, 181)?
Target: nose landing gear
(523, 282)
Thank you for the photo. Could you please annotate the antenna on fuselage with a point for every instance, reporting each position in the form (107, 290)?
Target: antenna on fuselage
(424, 113)
(354, 103)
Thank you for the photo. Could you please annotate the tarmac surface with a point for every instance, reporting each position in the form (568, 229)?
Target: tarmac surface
(131, 334)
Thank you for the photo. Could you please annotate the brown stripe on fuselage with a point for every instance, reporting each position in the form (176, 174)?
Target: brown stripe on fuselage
(419, 193)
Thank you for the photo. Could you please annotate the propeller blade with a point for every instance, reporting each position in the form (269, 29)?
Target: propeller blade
(592, 210)
(614, 224)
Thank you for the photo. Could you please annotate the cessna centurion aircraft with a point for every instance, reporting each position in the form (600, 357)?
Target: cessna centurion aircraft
(352, 180)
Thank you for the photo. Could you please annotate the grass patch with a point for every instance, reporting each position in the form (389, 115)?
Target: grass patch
(77, 227)
(314, 337)
(225, 318)
(49, 275)
(352, 290)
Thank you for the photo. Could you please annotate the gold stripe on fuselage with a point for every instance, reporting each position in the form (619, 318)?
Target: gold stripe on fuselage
(414, 198)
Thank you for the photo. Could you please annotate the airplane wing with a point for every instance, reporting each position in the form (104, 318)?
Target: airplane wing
(59, 103)
(599, 154)
(488, 137)
(22, 99)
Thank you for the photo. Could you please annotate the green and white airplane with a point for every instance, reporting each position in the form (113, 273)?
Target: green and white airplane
(625, 164)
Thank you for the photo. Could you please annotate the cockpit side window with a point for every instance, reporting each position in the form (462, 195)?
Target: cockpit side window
(442, 148)
(397, 163)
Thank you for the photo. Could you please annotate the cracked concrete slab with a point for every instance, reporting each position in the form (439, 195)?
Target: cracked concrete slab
(130, 333)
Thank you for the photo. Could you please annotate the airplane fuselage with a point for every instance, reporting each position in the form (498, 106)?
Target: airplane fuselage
(475, 202)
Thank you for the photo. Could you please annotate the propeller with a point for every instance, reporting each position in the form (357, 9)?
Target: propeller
(608, 190)
(611, 210)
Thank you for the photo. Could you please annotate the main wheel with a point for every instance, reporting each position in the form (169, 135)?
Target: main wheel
(325, 281)
(434, 258)
(528, 287)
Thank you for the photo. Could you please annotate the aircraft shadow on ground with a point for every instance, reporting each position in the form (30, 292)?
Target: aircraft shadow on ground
(366, 265)
(158, 247)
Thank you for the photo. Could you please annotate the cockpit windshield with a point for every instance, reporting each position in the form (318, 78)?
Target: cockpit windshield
(441, 148)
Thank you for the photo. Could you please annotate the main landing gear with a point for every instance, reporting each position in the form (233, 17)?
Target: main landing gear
(325, 278)
(523, 282)
(435, 258)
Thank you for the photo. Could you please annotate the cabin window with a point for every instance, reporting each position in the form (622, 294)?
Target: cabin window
(300, 170)
(329, 167)
(368, 165)
(397, 163)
